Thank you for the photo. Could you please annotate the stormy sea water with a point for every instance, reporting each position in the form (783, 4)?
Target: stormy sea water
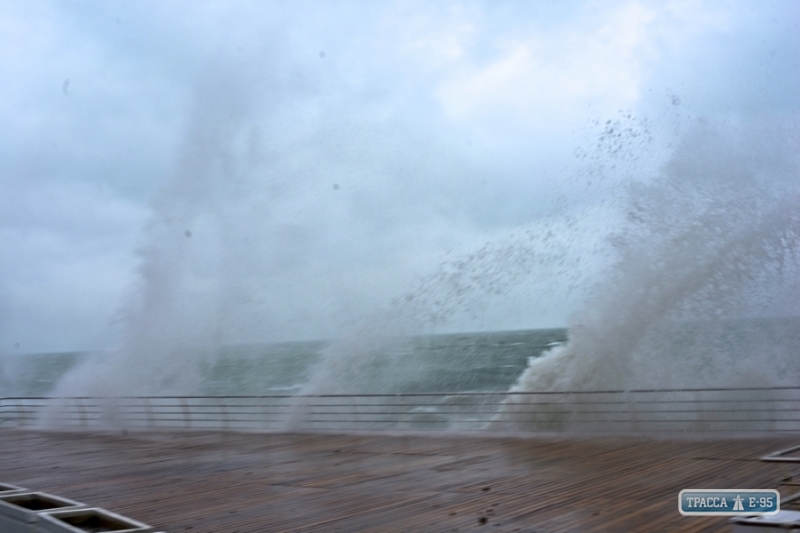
(439, 393)
(450, 363)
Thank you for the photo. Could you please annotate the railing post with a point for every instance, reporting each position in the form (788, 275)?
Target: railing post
(357, 418)
(148, 411)
(633, 410)
(187, 415)
(224, 410)
(82, 411)
(20, 414)
(262, 410)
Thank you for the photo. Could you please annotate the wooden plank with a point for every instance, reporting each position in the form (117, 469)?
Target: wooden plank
(239, 482)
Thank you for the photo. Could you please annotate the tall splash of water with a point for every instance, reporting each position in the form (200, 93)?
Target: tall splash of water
(174, 320)
(709, 246)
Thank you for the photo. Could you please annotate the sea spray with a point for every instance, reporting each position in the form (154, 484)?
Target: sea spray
(459, 288)
(545, 263)
(709, 246)
(260, 237)
(174, 319)
(709, 240)
(391, 352)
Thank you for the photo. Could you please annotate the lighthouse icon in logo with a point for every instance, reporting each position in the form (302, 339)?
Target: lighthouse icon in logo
(737, 503)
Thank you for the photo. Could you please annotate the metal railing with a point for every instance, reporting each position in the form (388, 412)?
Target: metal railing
(740, 410)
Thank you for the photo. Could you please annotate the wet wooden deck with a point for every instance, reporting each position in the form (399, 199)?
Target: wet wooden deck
(242, 483)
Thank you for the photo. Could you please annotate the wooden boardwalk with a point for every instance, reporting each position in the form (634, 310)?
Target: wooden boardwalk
(259, 483)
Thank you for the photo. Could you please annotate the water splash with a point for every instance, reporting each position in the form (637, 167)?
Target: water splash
(711, 239)
(708, 253)
(548, 262)
(174, 319)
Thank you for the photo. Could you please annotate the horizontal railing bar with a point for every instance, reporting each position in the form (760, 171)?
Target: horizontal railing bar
(657, 402)
(443, 409)
(545, 422)
(107, 407)
(504, 402)
(515, 412)
(440, 412)
(422, 394)
(619, 402)
(366, 419)
(503, 420)
(143, 416)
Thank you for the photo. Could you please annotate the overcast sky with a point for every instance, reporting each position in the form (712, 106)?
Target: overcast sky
(285, 169)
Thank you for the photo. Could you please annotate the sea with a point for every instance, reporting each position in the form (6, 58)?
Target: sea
(448, 382)
(483, 361)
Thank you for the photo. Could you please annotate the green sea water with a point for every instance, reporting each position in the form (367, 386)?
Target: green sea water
(489, 361)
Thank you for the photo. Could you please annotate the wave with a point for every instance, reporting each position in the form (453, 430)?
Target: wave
(709, 248)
